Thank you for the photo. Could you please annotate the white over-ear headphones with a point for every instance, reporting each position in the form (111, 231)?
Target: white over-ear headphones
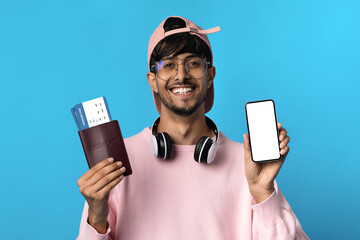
(205, 149)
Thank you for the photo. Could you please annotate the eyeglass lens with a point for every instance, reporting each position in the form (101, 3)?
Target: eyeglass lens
(167, 69)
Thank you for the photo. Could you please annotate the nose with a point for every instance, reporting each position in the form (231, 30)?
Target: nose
(181, 74)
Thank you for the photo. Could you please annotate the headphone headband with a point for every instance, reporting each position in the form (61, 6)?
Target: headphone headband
(213, 127)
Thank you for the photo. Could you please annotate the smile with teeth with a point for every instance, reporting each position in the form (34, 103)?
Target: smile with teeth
(182, 90)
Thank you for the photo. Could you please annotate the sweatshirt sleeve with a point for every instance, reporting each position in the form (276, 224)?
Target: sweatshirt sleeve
(274, 219)
(87, 232)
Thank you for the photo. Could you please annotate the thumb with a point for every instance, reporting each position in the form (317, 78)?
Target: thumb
(246, 145)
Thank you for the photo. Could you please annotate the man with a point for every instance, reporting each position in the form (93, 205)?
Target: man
(220, 195)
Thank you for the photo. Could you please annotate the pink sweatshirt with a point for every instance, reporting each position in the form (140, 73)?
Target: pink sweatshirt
(182, 199)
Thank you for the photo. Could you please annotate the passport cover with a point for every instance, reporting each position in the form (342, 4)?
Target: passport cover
(104, 141)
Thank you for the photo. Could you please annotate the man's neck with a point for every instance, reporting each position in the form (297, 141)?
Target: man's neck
(184, 130)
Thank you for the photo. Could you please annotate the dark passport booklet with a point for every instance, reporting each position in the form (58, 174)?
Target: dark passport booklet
(104, 141)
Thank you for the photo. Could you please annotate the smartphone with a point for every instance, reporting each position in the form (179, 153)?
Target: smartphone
(263, 130)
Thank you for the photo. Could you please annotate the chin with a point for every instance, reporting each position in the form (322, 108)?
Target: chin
(183, 112)
(186, 111)
(185, 107)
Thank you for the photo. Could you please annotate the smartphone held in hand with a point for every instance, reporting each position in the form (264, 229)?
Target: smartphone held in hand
(263, 131)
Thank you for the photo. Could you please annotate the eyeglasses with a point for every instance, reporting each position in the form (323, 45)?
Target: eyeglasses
(167, 69)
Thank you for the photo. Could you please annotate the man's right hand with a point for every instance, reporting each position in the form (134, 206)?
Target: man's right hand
(95, 186)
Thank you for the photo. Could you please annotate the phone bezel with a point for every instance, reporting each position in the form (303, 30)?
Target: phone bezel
(277, 131)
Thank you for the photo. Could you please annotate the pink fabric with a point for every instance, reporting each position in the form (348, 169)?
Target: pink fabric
(182, 199)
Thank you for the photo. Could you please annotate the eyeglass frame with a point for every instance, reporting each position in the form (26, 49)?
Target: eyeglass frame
(207, 64)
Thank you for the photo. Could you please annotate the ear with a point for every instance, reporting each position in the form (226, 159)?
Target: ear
(152, 81)
(211, 76)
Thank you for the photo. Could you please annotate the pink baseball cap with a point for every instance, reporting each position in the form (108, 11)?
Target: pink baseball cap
(159, 34)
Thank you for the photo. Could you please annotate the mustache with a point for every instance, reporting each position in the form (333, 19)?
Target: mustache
(184, 83)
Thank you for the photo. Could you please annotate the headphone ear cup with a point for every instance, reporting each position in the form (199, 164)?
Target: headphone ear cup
(168, 145)
(164, 145)
(212, 153)
(154, 146)
(202, 149)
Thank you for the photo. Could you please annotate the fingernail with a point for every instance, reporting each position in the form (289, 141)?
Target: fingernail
(282, 145)
(119, 164)
(123, 169)
(281, 137)
(111, 160)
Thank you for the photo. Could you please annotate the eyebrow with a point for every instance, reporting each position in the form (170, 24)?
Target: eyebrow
(175, 57)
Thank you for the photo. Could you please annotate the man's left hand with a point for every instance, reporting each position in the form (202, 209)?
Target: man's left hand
(261, 176)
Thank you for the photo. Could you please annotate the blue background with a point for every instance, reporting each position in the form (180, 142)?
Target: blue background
(53, 54)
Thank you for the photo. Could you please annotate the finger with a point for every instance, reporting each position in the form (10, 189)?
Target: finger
(282, 134)
(284, 143)
(111, 185)
(108, 179)
(285, 151)
(95, 169)
(103, 172)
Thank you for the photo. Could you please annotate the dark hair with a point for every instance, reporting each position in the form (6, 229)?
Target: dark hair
(179, 43)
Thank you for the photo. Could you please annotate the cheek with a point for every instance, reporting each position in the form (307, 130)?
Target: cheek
(158, 86)
(161, 90)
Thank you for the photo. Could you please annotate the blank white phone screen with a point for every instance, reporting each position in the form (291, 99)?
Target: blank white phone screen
(263, 131)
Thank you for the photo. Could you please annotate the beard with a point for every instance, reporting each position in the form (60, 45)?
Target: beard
(183, 111)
